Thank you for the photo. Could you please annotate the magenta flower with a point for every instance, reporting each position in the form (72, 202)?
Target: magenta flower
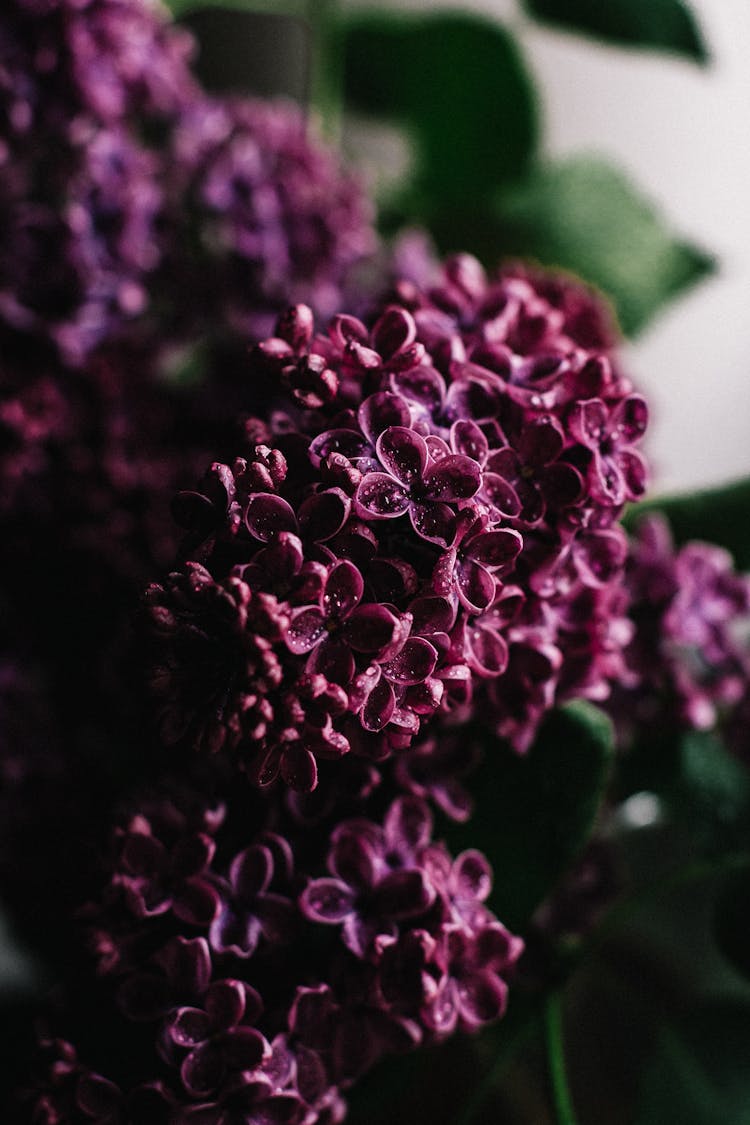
(617, 472)
(339, 624)
(410, 484)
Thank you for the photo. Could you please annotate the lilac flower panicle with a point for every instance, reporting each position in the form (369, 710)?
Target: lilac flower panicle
(427, 528)
(689, 658)
(393, 948)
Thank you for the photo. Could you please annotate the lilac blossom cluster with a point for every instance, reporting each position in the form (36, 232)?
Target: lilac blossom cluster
(689, 658)
(80, 86)
(261, 980)
(423, 524)
(126, 188)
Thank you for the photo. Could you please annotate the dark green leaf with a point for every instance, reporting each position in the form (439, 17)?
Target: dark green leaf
(458, 83)
(712, 794)
(661, 25)
(585, 216)
(533, 814)
(716, 515)
(699, 1073)
(732, 919)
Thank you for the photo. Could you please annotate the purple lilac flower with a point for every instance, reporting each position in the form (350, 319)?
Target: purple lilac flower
(211, 1032)
(81, 86)
(438, 534)
(275, 218)
(689, 658)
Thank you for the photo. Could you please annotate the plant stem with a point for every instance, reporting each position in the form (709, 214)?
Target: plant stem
(556, 1056)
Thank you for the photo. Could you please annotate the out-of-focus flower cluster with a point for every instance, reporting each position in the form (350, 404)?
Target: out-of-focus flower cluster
(690, 653)
(257, 982)
(423, 523)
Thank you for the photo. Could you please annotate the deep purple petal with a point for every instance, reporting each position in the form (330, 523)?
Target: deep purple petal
(629, 420)
(307, 627)
(251, 872)
(394, 331)
(327, 900)
(587, 422)
(268, 514)
(403, 454)
(189, 1026)
(343, 590)
(322, 515)
(423, 385)
(196, 902)
(414, 663)
(202, 1070)
(379, 495)
(334, 660)
(454, 478)
(475, 585)
(299, 768)
(96, 1096)
(350, 443)
(635, 472)
(434, 522)
(408, 824)
(378, 707)
(472, 875)
(542, 440)
(500, 494)
(225, 1003)
(402, 894)
(488, 651)
(244, 1048)
(370, 628)
(381, 410)
(468, 439)
(561, 484)
(482, 999)
(494, 549)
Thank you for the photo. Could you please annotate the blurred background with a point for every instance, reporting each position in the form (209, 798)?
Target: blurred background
(673, 122)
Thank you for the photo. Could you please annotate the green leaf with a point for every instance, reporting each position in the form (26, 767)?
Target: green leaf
(712, 794)
(716, 515)
(660, 25)
(732, 919)
(277, 7)
(585, 216)
(698, 1074)
(533, 814)
(459, 84)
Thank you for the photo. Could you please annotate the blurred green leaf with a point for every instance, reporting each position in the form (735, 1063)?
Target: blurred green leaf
(712, 794)
(699, 1073)
(716, 515)
(459, 84)
(277, 7)
(533, 814)
(732, 919)
(661, 25)
(585, 216)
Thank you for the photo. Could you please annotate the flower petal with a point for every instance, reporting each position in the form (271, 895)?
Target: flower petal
(454, 478)
(343, 590)
(307, 627)
(370, 628)
(414, 663)
(382, 497)
(402, 453)
(327, 900)
(322, 515)
(268, 514)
